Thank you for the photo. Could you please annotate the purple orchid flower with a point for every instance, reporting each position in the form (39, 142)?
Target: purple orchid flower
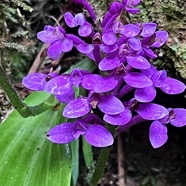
(37, 81)
(85, 28)
(57, 39)
(123, 53)
(158, 129)
(148, 111)
(160, 80)
(79, 107)
(62, 86)
(94, 133)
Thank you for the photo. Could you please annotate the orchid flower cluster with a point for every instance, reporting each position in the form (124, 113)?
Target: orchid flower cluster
(123, 55)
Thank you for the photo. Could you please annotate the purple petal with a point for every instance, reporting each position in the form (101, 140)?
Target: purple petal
(148, 29)
(35, 81)
(50, 34)
(119, 119)
(46, 37)
(137, 80)
(67, 45)
(135, 2)
(160, 39)
(115, 8)
(62, 133)
(105, 84)
(151, 111)
(66, 98)
(80, 19)
(77, 108)
(172, 86)
(55, 50)
(132, 10)
(149, 72)
(76, 77)
(117, 27)
(150, 53)
(92, 118)
(179, 120)
(109, 63)
(134, 44)
(110, 105)
(109, 38)
(158, 78)
(85, 48)
(89, 81)
(138, 62)
(145, 95)
(85, 30)
(69, 20)
(158, 134)
(108, 48)
(130, 30)
(58, 85)
(98, 136)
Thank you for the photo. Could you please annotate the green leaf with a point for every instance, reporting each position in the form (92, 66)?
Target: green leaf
(87, 153)
(75, 161)
(27, 157)
(84, 64)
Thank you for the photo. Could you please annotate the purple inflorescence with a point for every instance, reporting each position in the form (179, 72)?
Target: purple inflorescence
(123, 53)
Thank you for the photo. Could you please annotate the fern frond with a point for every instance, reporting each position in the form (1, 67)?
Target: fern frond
(22, 5)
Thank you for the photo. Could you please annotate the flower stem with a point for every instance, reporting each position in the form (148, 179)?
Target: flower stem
(102, 160)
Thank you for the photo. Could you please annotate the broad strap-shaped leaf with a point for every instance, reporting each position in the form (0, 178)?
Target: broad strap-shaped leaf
(179, 120)
(152, 111)
(75, 161)
(98, 136)
(77, 108)
(87, 153)
(158, 134)
(109, 104)
(26, 156)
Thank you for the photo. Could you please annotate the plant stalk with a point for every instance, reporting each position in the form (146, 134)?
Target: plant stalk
(102, 160)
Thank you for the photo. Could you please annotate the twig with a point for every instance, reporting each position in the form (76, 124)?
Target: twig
(121, 172)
